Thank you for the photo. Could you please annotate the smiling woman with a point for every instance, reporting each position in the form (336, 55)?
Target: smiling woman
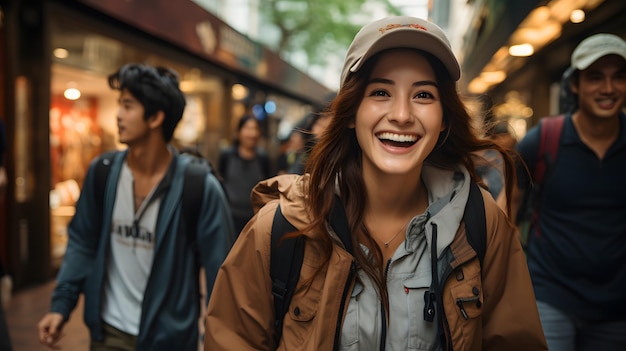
(396, 158)
(400, 117)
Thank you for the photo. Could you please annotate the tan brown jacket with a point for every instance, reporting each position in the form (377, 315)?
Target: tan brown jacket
(240, 313)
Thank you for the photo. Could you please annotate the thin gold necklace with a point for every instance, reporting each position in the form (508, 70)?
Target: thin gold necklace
(396, 235)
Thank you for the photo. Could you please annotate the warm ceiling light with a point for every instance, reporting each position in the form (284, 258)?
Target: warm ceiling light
(477, 86)
(239, 91)
(493, 77)
(71, 93)
(577, 16)
(61, 53)
(521, 50)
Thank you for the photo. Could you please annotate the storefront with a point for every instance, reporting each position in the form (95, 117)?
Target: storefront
(60, 111)
(520, 66)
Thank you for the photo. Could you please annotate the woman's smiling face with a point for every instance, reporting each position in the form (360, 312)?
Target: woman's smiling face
(400, 116)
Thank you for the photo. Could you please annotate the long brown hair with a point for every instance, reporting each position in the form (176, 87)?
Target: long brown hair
(336, 161)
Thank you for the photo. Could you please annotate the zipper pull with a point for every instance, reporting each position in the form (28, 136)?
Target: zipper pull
(459, 302)
(429, 306)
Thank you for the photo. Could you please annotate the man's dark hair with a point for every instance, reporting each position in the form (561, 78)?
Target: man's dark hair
(568, 100)
(156, 88)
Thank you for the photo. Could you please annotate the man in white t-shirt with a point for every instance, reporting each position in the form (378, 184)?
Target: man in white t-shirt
(133, 250)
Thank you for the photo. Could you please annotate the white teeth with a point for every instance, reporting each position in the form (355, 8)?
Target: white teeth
(397, 137)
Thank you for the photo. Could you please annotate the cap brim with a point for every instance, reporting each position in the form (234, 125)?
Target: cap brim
(412, 39)
(583, 64)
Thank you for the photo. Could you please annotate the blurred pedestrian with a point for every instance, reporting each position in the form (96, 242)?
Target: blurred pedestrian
(316, 124)
(577, 249)
(132, 251)
(398, 157)
(242, 166)
(291, 148)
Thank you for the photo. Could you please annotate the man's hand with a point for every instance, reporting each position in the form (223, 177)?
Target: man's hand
(50, 329)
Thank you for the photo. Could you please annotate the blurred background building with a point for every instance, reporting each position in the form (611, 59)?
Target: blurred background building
(60, 112)
(233, 58)
(516, 51)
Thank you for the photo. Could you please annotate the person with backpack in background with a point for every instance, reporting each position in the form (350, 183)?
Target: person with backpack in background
(241, 167)
(382, 212)
(576, 244)
(133, 250)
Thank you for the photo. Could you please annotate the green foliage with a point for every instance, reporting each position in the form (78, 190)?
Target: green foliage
(320, 27)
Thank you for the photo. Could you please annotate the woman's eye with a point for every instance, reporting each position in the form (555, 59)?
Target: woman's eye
(424, 95)
(379, 93)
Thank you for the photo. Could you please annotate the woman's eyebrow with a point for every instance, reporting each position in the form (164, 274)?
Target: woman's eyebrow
(391, 82)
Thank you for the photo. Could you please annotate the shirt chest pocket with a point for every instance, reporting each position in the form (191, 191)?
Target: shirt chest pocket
(350, 329)
(421, 332)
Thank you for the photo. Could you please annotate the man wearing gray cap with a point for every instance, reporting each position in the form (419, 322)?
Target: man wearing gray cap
(577, 245)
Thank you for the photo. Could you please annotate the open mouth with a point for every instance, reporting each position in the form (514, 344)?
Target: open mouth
(606, 103)
(397, 140)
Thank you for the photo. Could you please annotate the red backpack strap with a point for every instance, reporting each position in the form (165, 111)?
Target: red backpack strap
(551, 128)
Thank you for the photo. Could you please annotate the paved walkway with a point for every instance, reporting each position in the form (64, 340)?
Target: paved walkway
(25, 309)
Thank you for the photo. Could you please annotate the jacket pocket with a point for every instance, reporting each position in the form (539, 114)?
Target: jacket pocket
(421, 332)
(464, 310)
(468, 298)
(300, 318)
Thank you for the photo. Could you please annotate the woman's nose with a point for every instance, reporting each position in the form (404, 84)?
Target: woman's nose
(400, 112)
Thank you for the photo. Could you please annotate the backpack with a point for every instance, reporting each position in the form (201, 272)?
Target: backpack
(192, 196)
(550, 137)
(286, 255)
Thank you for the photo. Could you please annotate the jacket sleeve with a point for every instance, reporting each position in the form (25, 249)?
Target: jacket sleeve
(510, 316)
(80, 255)
(216, 232)
(240, 311)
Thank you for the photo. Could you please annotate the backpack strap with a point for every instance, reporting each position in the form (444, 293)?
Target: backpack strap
(101, 175)
(550, 138)
(551, 128)
(476, 222)
(339, 223)
(193, 194)
(285, 262)
(286, 258)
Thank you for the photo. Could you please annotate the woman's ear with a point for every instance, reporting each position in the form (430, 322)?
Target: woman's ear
(352, 123)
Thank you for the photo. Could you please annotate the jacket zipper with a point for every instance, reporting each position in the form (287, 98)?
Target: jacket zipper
(461, 301)
(344, 296)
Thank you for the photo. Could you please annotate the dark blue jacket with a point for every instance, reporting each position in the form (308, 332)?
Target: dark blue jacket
(171, 304)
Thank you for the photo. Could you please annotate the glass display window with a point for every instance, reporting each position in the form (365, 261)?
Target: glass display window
(83, 112)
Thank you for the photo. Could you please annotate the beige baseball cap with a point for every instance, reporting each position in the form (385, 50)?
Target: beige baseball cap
(595, 47)
(399, 32)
